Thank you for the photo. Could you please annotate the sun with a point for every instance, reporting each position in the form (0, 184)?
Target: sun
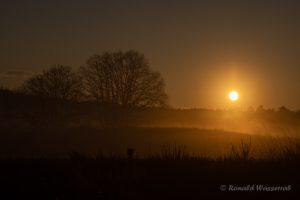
(233, 95)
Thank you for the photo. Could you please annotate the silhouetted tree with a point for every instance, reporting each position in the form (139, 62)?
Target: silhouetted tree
(123, 79)
(53, 91)
(260, 109)
(58, 82)
(283, 109)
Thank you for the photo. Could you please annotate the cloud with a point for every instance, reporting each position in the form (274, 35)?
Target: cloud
(15, 73)
(13, 78)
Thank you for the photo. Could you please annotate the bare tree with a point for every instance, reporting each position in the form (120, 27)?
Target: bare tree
(124, 79)
(57, 82)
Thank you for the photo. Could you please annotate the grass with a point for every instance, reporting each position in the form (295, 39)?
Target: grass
(173, 171)
(242, 152)
(92, 141)
(172, 174)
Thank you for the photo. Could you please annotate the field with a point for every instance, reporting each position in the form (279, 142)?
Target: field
(145, 163)
(59, 142)
(65, 150)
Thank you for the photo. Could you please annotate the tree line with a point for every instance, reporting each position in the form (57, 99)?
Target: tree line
(113, 83)
(118, 78)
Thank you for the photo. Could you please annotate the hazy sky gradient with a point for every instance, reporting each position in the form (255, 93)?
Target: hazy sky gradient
(202, 48)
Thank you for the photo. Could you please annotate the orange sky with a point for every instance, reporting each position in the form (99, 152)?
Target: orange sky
(202, 48)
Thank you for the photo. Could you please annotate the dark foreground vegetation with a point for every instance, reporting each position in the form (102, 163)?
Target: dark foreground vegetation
(172, 174)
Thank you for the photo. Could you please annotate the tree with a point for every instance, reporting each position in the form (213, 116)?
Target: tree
(58, 82)
(52, 92)
(123, 79)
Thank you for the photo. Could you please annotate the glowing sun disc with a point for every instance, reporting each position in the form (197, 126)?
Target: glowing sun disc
(233, 95)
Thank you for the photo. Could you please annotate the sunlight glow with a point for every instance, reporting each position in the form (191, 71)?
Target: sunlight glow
(233, 95)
